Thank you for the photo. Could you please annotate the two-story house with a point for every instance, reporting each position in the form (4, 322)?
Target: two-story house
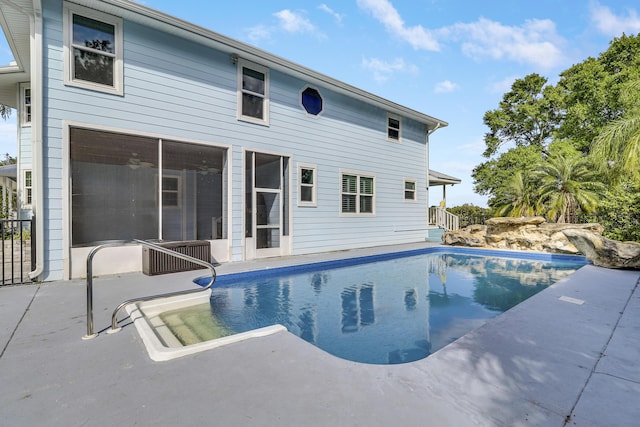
(135, 124)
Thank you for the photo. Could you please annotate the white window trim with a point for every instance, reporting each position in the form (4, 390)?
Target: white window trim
(399, 119)
(23, 105)
(25, 188)
(264, 70)
(359, 175)
(118, 73)
(314, 186)
(415, 190)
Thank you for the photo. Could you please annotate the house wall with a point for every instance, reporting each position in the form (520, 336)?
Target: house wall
(177, 89)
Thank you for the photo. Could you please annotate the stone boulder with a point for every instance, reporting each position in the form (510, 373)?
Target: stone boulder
(473, 236)
(525, 233)
(604, 252)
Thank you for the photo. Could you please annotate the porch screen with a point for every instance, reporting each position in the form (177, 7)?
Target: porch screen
(120, 191)
(113, 182)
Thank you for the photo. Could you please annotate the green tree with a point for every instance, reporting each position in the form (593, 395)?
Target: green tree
(617, 148)
(569, 185)
(591, 92)
(527, 115)
(517, 198)
(592, 110)
(469, 214)
(619, 212)
(493, 176)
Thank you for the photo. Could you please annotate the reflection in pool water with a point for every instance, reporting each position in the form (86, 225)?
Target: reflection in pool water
(385, 312)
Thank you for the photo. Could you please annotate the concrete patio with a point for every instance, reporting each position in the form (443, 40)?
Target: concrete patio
(547, 362)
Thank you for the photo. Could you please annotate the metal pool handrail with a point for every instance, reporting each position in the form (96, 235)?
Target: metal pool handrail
(114, 316)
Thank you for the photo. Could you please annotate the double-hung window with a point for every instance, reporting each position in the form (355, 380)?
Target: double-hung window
(93, 50)
(307, 183)
(410, 193)
(358, 194)
(26, 106)
(253, 93)
(394, 128)
(27, 189)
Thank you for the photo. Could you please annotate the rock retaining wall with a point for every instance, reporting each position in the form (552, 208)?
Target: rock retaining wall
(525, 233)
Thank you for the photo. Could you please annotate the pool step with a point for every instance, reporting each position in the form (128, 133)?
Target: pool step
(191, 326)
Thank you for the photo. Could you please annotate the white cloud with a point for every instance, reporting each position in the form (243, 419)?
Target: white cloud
(259, 33)
(417, 36)
(293, 22)
(288, 22)
(446, 86)
(383, 70)
(535, 42)
(337, 16)
(614, 25)
(504, 85)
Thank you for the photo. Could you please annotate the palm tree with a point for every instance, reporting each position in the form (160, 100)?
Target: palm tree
(617, 148)
(568, 184)
(516, 198)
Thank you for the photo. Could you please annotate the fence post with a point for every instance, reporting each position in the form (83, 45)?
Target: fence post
(33, 241)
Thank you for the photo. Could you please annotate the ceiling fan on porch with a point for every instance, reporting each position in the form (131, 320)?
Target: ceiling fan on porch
(134, 162)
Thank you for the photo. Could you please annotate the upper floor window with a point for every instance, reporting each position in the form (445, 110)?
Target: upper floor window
(311, 101)
(393, 128)
(26, 105)
(410, 193)
(253, 93)
(358, 194)
(307, 182)
(93, 50)
(27, 189)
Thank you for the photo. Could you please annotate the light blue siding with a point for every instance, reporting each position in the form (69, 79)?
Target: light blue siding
(175, 88)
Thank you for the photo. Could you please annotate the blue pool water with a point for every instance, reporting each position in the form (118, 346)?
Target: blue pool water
(389, 311)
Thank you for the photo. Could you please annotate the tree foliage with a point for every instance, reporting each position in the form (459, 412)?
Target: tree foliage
(528, 114)
(552, 148)
(517, 198)
(619, 212)
(617, 147)
(469, 214)
(5, 111)
(568, 185)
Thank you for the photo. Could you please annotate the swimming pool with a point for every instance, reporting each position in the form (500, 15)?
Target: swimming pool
(388, 309)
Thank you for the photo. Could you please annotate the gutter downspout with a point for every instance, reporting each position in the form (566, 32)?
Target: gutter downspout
(36, 137)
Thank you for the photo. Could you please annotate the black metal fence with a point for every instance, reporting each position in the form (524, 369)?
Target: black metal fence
(18, 252)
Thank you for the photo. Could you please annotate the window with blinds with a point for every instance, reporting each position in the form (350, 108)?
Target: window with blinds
(358, 193)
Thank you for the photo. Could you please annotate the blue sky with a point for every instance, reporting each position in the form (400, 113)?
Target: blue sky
(451, 59)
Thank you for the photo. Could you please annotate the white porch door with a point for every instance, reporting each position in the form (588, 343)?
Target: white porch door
(268, 215)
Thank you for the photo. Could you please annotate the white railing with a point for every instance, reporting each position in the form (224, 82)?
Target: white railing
(441, 218)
